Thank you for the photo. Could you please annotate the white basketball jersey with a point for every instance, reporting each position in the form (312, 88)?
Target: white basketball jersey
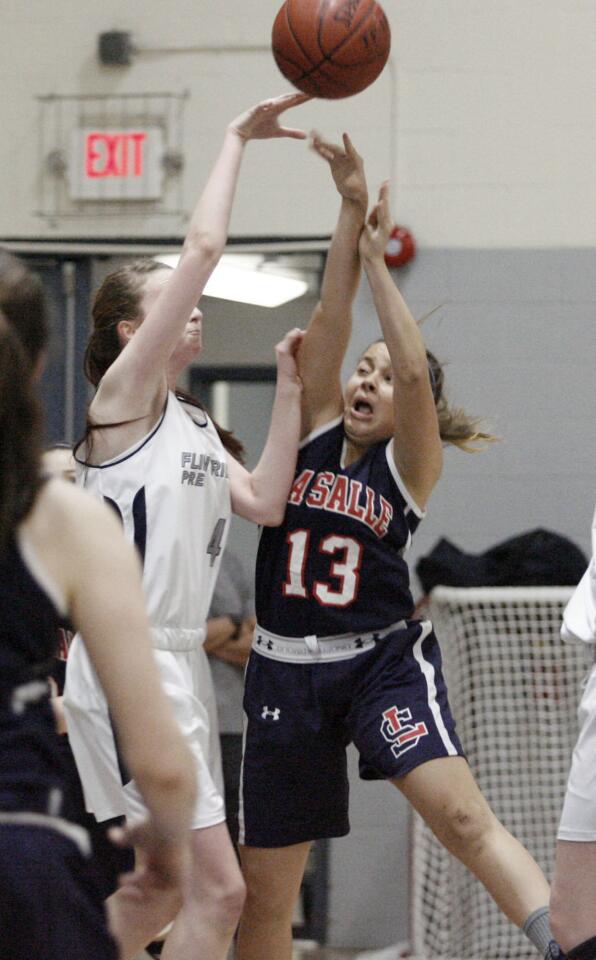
(171, 492)
(579, 616)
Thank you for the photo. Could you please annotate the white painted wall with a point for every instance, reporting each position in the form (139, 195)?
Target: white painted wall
(484, 118)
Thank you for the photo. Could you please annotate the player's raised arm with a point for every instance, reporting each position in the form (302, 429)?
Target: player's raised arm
(417, 447)
(328, 332)
(261, 496)
(138, 371)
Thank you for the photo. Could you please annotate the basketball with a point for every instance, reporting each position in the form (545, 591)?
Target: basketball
(331, 48)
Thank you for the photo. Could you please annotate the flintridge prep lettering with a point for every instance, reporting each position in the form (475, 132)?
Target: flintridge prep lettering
(195, 468)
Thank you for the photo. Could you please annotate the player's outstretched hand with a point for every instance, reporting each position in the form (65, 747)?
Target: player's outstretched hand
(262, 121)
(347, 167)
(377, 229)
(286, 353)
(161, 864)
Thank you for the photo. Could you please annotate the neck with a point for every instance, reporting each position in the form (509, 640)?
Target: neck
(353, 451)
(173, 374)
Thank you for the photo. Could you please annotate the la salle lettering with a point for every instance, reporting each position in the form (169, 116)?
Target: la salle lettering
(337, 493)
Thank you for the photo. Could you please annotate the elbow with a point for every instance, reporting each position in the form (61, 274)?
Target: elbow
(171, 780)
(273, 517)
(413, 372)
(267, 514)
(203, 246)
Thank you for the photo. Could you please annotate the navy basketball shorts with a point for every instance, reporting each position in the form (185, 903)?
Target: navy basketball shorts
(390, 701)
(50, 906)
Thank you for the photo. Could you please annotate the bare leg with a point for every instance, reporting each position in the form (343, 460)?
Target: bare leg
(205, 918)
(573, 899)
(135, 923)
(445, 794)
(273, 877)
(206, 924)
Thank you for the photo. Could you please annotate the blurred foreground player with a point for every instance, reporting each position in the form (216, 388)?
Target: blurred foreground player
(62, 554)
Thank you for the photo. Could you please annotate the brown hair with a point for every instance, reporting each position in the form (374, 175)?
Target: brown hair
(455, 425)
(23, 303)
(119, 298)
(24, 332)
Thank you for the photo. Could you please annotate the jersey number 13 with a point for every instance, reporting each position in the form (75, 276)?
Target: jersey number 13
(345, 569)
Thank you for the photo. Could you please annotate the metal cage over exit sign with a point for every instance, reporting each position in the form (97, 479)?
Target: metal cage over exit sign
(116, 163)
(111, 157)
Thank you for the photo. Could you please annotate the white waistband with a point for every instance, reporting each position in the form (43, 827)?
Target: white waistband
(312, 649)
(177, 639)
(72, 831)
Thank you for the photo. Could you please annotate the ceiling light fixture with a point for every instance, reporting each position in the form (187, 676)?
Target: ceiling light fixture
(241, 278)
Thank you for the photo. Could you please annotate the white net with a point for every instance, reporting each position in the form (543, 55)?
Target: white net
(513, 688)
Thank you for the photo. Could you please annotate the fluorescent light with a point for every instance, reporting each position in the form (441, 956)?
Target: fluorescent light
(241, 278)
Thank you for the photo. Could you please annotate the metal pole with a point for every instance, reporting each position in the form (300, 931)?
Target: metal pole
(69, 287)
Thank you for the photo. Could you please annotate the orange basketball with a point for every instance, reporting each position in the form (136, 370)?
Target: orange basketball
(331, 48)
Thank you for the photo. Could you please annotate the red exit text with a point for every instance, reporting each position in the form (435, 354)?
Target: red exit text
(110, 155)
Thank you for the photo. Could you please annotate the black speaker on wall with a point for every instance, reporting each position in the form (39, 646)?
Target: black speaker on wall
(115, 48)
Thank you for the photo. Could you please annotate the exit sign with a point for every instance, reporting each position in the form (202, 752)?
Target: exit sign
(119, 163)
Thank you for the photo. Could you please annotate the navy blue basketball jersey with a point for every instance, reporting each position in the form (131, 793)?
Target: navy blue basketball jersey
(29, 621)
(336, 564)
(30, 766)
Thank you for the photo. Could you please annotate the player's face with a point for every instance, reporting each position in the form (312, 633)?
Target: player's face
(190, 344)
(368, 398)
(59, 463)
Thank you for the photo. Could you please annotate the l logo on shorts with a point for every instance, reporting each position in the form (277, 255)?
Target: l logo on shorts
(398, 729)
(268, 714)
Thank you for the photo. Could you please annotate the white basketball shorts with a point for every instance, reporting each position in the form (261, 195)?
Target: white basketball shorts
(108, 791)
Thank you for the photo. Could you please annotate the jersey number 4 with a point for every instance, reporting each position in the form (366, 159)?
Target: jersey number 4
(214, 547)
(345, 569)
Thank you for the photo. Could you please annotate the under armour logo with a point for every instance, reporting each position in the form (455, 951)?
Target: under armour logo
(261, 642)
(271, 714)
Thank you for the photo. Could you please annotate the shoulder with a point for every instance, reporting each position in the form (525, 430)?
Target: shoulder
(116, 401)
(78, 540)
(65, 511)
(384, 453)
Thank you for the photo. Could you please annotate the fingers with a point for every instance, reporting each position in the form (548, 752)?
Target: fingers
(118, 836)
(380, 215)
(277, 105)
(349, 147)
(373, 217)
(384, 192)
(383, 208)
(284, 102)
(327, 150)
(287, 100)
(289, 346)
(296, 333)
(291, 340)
(292, 132)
